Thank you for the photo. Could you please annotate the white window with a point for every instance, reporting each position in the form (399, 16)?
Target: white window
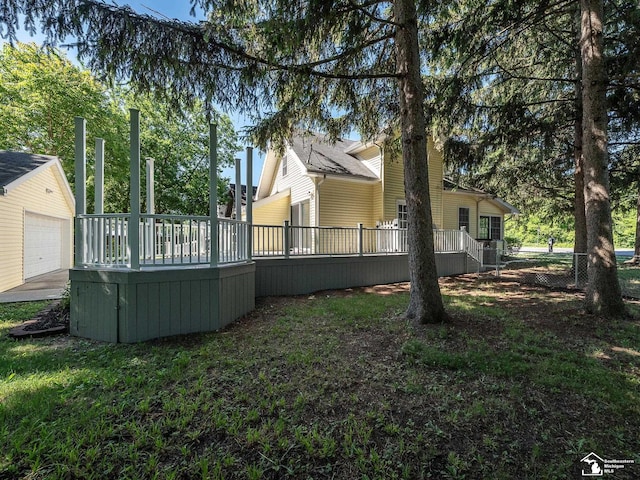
(284, 166)
(402, 214)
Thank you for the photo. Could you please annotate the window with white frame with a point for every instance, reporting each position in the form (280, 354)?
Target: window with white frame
(284, 166)
(402, 214)
(464, 218)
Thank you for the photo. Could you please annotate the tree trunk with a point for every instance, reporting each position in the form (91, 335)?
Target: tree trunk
(425, 301)
(603, 294)
(636, 250)
(580, 242)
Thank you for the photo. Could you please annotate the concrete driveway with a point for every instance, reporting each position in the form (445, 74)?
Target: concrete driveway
(43, 287)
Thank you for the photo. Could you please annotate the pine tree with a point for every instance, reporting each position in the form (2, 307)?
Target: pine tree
(603, 289)
(299, 60)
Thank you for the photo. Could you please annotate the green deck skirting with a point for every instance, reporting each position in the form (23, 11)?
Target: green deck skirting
(127, 306)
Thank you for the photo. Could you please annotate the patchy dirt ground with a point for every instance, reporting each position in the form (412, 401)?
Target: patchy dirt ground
(53, 320)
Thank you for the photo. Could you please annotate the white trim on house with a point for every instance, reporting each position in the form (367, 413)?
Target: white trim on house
(352, 179)
(359, 146)
(510, 209)
(402, 222)
(267, 175)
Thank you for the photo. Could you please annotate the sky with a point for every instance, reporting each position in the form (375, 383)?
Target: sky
(175, 9)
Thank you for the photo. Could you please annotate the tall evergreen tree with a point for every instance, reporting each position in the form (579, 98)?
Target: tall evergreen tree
(303, 60)
(603, 290)
(512, 75)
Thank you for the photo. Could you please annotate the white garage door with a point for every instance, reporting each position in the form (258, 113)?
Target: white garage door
(42, 244)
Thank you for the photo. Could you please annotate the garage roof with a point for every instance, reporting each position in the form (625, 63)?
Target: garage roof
(18, 167)
(14, 165)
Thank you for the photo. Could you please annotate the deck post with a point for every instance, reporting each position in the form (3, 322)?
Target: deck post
(134, 187)
(99, 187)
(99, 200)
(149, 225)
(213, 194)
(151, 194)
(360, 239)
(249, 203)
(238, 191)
(285, 238)
(80, 186)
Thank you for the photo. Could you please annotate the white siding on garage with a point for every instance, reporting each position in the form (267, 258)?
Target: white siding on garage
(43, 251)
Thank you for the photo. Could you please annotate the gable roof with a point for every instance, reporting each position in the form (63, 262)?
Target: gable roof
(319, 155)
(450, 186)
(14, 165)
(18, 167)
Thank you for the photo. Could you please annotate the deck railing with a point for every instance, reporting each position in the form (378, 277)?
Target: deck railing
(293, 241)
(164, 240)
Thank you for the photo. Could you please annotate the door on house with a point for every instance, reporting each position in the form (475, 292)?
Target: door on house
(301, 237)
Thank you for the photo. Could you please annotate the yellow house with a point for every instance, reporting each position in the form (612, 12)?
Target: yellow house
(316, 183)
(36, 211)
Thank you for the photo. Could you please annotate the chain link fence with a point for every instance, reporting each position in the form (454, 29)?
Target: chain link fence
(554, 270)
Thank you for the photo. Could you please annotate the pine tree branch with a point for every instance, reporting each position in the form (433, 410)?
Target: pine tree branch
(196, 32)
(363, 9)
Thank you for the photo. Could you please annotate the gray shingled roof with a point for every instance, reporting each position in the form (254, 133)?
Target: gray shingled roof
(13, 165)
(321, 156)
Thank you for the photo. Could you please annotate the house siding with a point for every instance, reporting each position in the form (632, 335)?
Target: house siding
(272, 213)
(297, 180)
(345, 204)
(487, 208)
(435, 182)
(371, 158)
(393, 185)
(30, 196)
(454, 201)
(477, 207)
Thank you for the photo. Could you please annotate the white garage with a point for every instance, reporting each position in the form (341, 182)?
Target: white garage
(36, 217)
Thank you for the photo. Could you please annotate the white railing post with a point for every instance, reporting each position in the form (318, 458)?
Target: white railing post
(285, 238)
(360, 239)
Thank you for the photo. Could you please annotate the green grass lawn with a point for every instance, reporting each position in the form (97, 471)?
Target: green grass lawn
(521, 384)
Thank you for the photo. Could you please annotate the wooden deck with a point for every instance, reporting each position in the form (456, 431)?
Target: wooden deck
(127, 306)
